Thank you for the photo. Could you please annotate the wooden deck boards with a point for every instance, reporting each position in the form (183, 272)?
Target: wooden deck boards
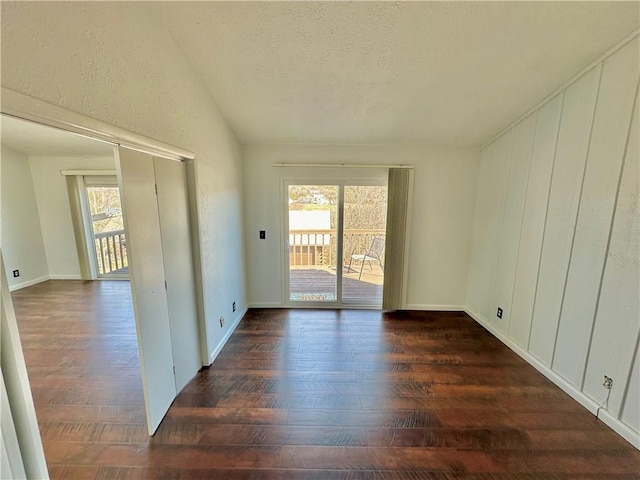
(321, 283)
(304, 394)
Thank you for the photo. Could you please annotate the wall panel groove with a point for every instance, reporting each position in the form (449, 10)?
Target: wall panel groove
(534, 218)
(571, 154)
(496, 197)
(575, 221)
(595, 210)
(631, 137)
(631, 398)
(515, 194)
(618, 309)
(534, 138)
(535, 232)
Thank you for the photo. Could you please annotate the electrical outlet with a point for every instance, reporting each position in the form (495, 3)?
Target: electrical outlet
(234, 306)
(221, 322)
(607, 382)
(499, 314)
(16, 273)
(263, 234)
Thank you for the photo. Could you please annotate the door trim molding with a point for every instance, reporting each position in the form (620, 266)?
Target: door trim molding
(341, 183)
(22, 106)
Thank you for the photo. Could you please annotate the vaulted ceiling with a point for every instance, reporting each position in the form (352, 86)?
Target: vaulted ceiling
(381, 72)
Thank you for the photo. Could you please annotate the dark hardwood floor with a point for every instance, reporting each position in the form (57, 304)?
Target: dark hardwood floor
(304, 394)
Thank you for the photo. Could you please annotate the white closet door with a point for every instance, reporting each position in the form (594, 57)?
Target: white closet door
(171, 178)
(11, 463)
(146, 270)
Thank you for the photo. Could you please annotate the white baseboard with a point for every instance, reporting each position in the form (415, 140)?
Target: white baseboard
(620, 428)
(439, 308)
(65, 277)
(412, 306)
(223, 342)
(614, 423)
(28, 283)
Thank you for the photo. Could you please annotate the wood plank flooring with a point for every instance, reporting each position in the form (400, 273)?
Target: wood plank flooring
(304, 394)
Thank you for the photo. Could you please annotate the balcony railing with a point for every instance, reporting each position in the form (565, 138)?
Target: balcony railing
(111, 250)
(319, 247)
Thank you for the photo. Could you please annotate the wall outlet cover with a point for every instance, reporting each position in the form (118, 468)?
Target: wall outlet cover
(499, 314)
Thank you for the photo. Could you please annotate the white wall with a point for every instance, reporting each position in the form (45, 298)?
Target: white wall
(444, 194)
(555, 240)
(23, 247)
(112, 62)
(55, 212)
(20, 442)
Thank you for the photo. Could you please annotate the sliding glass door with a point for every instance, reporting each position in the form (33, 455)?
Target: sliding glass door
(107, 226)
(313, 233)
(365, 218)
(335, 236)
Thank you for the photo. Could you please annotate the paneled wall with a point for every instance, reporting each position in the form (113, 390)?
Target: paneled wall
(556, 240)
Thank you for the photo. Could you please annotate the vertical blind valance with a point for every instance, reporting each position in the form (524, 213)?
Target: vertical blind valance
(399, 192)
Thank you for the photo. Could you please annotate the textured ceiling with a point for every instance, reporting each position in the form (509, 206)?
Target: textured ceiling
(381, 72)
(35, 139)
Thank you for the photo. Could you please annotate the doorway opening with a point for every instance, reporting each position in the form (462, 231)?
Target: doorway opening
(336, 236)
(66, 192)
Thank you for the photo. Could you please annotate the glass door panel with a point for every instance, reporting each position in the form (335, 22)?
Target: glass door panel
(365, 218)
(108, 230)
(313, 227)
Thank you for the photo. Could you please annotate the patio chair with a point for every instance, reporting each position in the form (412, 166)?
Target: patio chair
(373, 254)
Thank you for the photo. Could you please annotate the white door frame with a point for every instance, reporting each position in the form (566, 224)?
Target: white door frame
(28, 108)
